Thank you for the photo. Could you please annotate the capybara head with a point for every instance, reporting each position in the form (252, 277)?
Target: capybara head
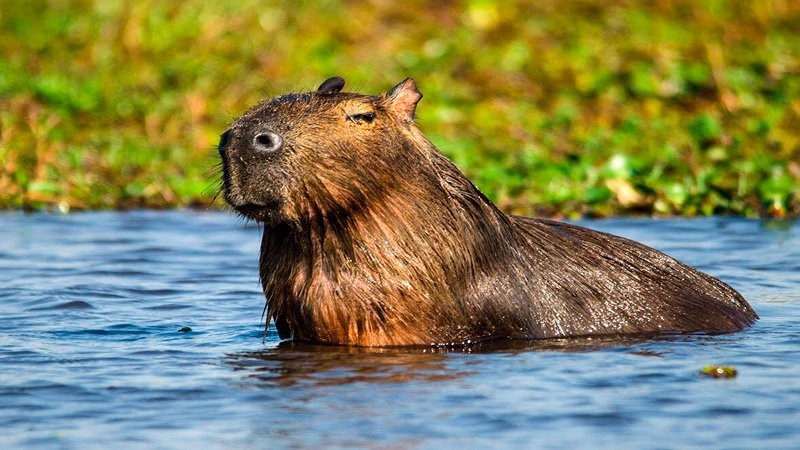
(317, 152)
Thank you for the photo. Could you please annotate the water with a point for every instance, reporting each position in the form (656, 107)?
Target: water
(91, 355)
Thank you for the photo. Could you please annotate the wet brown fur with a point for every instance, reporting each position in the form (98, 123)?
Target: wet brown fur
(373, 238)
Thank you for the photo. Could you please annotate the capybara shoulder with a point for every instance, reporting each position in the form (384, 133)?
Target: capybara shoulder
(372, 237)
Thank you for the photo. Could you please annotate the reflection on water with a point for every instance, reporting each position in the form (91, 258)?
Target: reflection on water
(298, 363)
(781, 226)
(91, 355)
(304, 364)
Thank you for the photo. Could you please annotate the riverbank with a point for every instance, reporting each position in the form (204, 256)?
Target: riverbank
(567, 108)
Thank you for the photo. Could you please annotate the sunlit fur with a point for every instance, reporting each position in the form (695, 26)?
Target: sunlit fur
(373, 238)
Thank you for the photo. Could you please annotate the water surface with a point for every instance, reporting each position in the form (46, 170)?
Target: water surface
(91, 355)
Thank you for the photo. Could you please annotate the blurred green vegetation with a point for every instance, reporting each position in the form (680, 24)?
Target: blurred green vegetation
(551, 107)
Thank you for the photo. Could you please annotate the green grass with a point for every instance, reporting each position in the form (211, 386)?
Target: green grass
(554, 108)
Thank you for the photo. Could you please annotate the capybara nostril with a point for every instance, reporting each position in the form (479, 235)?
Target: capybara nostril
(267, 142)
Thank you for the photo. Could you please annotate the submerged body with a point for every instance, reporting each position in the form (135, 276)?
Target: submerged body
(372, 237)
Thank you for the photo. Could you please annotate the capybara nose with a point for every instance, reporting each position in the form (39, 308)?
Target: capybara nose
(224, 139)
(267, 142)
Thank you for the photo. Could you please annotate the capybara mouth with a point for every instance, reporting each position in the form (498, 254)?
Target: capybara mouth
(232, 192)
(257, 211)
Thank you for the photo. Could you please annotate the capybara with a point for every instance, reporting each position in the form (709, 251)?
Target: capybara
(373, 238)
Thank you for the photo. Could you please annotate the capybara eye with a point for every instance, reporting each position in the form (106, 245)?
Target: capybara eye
(363, 117)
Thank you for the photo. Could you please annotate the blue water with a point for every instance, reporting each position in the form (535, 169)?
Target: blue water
(91, 355)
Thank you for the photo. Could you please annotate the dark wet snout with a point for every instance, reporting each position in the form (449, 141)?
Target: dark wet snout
(224, 140)
(267, 142)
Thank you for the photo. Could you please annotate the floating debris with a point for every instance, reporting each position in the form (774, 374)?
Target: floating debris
(184, 330)
(719, 371)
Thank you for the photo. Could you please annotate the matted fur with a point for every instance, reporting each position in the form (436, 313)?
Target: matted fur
(373, 238)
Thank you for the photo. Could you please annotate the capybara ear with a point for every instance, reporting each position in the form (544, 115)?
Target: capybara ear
(403, 99)
(331, 85)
